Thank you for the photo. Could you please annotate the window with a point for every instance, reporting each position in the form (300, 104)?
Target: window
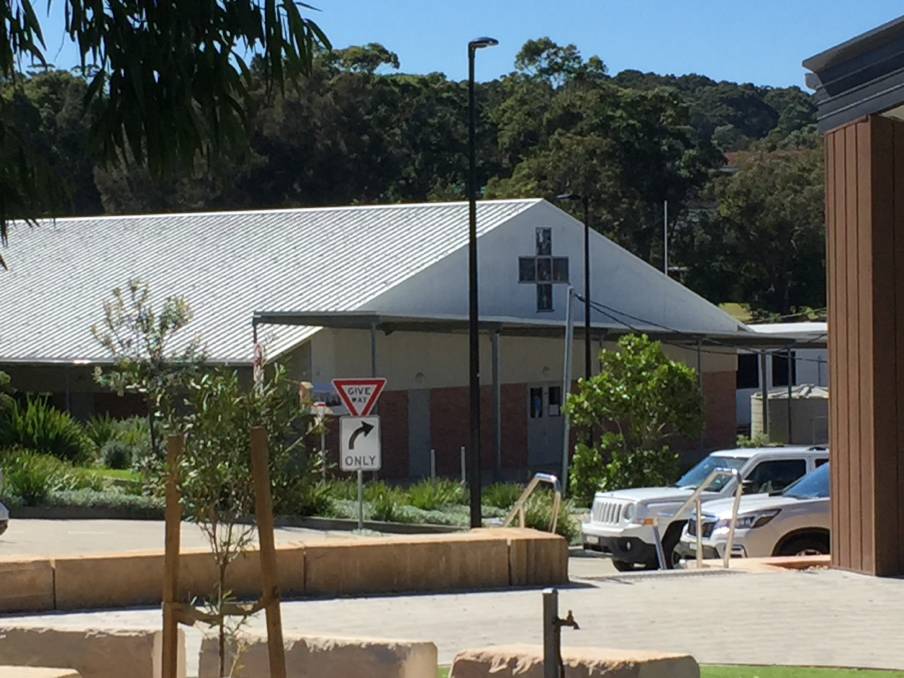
(819, 462)
(544, 242)
(544, 297)
(560, 269)
(780, 369)
(748, 370)
(555, 401)
(536, 403)
(527, 270)
(773, 476)
(544, 269)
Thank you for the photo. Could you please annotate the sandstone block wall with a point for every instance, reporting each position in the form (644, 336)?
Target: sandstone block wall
(526, 661)
(329, 658)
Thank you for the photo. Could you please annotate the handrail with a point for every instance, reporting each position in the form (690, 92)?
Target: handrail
(694, 499)
(518, 507)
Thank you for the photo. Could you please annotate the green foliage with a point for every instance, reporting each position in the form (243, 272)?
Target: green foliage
(502, 495)
(100, 429)
(37, 425)
(758, 440)
(538, 515)
(430, 495)
(647, 400)
(140, 505)
(386, 502)
(765, 242)
(6, 395)
(32, 476)
(116, 455)
(343, 488)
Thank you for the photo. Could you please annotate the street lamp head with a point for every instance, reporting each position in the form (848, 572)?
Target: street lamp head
(479, 43)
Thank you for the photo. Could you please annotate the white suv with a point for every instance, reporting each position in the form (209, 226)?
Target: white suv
(621, 522)
(791, 523)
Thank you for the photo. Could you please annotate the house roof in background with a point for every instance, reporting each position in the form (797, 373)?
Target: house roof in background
(226, 264)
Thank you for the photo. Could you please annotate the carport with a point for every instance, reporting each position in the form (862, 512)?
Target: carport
(860, 93)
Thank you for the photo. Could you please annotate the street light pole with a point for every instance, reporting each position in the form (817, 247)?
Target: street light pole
(473, 329)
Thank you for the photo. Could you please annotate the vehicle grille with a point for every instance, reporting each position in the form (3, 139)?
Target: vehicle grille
(708, 525)
(608, 512)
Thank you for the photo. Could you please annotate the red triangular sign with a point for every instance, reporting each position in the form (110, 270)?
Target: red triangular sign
(359, 395)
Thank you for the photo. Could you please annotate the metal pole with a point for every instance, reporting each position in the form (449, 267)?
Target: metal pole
(552, 658)
(432, 464)
(665, 237)
(497, 406)
(323, 449)
(790, 393)
(566, 382)
(764, 393)
(464, 467)
(588, 369)
(698, 507)
(473, 314)
(360, 500)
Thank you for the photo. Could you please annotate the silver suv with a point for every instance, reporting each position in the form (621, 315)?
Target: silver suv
(794, 522)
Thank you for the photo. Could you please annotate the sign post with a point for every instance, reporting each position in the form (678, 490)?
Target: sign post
(359, 433)
(360, 451)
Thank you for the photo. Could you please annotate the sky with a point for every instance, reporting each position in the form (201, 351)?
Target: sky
(760, 41)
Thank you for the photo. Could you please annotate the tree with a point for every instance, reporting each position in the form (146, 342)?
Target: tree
(170, 81)
(764, 242)
(643, 401)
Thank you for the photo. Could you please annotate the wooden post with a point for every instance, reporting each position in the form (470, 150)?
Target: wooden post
(263, 508)
(174, 446)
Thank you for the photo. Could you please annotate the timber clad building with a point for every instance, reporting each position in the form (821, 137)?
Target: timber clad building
(356, 291)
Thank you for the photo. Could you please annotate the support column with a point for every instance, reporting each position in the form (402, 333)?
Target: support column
(497, 406)
(865, 262)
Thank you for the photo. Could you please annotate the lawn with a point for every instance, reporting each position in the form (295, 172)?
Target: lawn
(776, 672)
(116, 474)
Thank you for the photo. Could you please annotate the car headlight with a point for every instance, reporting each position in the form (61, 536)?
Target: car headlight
(748, 521)
(628, 513)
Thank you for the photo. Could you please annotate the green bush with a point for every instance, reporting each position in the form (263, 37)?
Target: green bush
(116, 454)
(106, 500)
(386, 502)
(100, 429)
(502, 495)
(38, 426)
(32, 476)
(637, 468)
(538, 515)
(429, 495)
(342, 488)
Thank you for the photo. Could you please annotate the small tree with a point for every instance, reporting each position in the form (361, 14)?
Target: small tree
(140, 339)
(643, 401)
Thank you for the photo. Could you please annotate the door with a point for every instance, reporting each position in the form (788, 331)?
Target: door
(545, 426)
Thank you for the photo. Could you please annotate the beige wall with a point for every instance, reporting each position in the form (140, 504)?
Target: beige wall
(414, 360)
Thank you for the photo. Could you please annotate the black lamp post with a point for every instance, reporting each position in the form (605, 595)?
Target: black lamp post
(473, 336)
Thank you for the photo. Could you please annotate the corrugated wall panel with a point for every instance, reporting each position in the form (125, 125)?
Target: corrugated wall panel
(865, 261)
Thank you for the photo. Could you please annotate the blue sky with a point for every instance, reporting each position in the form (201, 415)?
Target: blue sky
(762, 41)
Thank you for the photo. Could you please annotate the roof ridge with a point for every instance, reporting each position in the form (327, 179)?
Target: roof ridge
(288, 210)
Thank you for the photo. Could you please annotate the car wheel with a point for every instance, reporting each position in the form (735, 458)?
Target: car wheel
(623, 565)
(804, 546)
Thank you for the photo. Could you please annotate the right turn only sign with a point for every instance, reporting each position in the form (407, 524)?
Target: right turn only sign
(360, 443)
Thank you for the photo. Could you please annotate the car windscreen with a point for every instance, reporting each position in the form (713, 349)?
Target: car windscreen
(697, 475)
(814, 485)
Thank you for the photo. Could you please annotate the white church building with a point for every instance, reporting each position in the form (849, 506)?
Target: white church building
(356, 291)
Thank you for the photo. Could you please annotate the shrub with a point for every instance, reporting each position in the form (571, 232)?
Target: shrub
(429, 495)
(342, 488)
(142, 505)
(502, 495)
(32, 476)
(38, 426)
(100, 429)
(758, 440)
(386, 503)
(538, 515)
(116, 454)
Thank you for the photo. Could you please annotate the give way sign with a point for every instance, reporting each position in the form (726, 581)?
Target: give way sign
(359, 395)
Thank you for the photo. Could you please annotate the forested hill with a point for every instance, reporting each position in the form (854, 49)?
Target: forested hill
(357, 131)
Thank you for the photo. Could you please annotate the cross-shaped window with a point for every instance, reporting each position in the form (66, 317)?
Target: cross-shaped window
(543, 269)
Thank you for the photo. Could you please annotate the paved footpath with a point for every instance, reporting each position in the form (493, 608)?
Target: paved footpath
(819, 617)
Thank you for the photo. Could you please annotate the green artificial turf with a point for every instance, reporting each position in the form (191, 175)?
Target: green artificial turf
(776, 672)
